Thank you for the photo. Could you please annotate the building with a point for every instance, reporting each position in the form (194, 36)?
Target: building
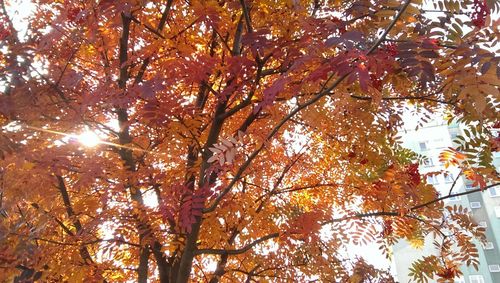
(430, 141)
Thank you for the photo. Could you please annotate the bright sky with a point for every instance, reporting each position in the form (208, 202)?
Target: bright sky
(18, 11)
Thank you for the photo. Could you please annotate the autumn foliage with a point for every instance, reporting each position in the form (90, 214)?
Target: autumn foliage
(249, 140)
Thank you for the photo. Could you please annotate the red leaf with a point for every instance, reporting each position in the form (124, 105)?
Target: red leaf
(429, 54)
(271, 93)
(363, 76)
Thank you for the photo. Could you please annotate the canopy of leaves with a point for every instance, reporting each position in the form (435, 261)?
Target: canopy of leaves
(241, 140)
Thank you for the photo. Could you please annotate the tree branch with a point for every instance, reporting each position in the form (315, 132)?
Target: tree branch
(389, 28)
(294, 189)
(410, 97)
(159, 28)
(425, 97)
(247, 16)
(151, 29)
(237, 251)
(325, 91)
(59, 222)
(84, 252)
(416, 207)
(438, 44)
(221, 265)
(454, 195)
(125, 138)
(237, 38)
(454, 182)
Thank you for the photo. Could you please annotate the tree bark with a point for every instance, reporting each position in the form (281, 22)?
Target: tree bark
(84, 252)
(126, 154)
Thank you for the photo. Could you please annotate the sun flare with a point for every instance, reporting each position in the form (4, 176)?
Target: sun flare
(89, 139)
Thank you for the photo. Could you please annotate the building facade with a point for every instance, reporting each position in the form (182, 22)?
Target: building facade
(430, 141)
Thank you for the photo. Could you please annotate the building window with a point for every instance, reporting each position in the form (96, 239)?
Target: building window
(494, 192)
(482, 224)
(497, 211)
(432, 179)
(439, 143)
(448, 178)
(494, 267)
(487, 246)
(423, 145)
(476, 279)
(428, 162)
(475, 204)
(454, 198)
(469, 187)
(459, 280)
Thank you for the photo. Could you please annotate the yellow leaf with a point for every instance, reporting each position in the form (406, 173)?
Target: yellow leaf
(393, 4)
(28, 165)
(385, 13)
(412, 10)
(488, 89)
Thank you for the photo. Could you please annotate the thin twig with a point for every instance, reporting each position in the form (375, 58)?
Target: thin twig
(299, 108)
(455, 182)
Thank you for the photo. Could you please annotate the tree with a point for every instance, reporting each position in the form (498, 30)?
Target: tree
(240, 140)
